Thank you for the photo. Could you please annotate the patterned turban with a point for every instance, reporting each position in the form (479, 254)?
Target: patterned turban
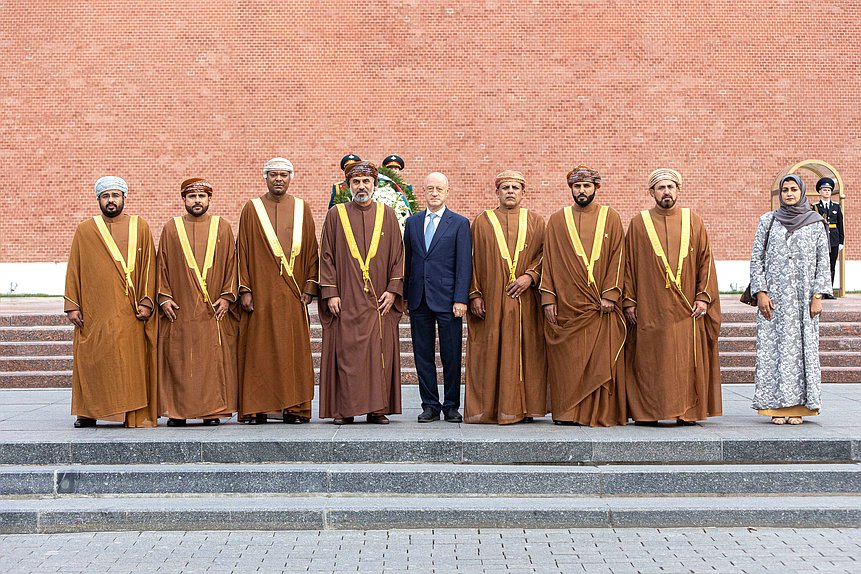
(110, 182)
(583, 173)
(359, 169)
(278, 164)
(510, 175)
(664, 173)
(195, 184)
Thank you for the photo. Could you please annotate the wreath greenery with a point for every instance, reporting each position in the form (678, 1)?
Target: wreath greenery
(342, 193)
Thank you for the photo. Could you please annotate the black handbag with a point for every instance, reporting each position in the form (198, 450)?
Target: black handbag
(746, 297)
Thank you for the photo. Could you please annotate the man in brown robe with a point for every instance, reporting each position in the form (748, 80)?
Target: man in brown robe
(361, 303)
(506, 369)
(278, 259)
(673, 309)
(581, 291)
(197, 292)
(110, 293)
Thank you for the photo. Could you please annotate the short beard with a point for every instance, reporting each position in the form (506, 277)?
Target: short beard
(670, 199)
(584, 202)
(191, 213)
(356, 195)
(111, 215)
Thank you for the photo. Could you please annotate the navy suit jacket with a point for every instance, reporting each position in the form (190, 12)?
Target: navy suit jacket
(443, 272)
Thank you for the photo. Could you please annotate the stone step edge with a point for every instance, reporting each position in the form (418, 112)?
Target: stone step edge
(448, 479)
(460, 450)
(373, 513)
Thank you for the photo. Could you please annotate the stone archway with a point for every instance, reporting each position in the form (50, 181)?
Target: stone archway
(819, 169)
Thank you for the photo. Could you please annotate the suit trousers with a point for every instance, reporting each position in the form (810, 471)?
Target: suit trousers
(422, 323)
(835, 251)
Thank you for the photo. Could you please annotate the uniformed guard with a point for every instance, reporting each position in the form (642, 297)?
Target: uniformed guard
(833, 215)
(394, 163)
(340, 190)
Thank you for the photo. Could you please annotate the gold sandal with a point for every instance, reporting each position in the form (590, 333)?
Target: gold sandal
(778, 420)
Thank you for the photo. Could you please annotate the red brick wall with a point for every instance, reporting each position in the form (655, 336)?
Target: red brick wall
(156, 91)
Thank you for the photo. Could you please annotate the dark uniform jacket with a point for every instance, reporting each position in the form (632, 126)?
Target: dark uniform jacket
(834, 217)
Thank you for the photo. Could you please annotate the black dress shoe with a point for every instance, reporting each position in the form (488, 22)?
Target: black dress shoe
(84, 422)
(210, 422)
(566, 423)
(176, 422)
(682, 423)
(342, 421)
(291, 419)
(646, 423)
(453, 416)
(258, 419)
(526, 420)
(376, 419)
(429, 415)
(827, 296)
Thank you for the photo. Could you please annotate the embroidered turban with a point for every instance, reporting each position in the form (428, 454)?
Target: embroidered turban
(510, 175)
(110, 182)
(278, 164)
(195, 184)
(583, 173)
(664, 173)
(359, 169)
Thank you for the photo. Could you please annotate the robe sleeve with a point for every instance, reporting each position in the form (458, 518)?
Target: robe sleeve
(630, 285)
(822, 280)
(72, 295)
(328, 287)
(229, 288)
(147, 259)
(478, 259)
(165, 293)
(612, 285)
(547, 287)
(534, 267)
(396, 254)
(242, 250)
(705, 266)
(758, 281)
(311, 251)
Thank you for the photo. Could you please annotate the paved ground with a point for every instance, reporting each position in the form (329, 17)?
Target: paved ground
(724, 550)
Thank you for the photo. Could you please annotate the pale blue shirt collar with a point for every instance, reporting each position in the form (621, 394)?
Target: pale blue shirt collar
(439, 213)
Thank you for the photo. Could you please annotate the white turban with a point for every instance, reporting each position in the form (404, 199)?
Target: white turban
(110, 182)
(664, 173)
(278, 164)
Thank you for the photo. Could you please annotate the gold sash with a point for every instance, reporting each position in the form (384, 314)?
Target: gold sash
(684, 245)
(503, 243)
(284, 264)
(128, 264)
(189, 252)
(597, 241)
(364, 264)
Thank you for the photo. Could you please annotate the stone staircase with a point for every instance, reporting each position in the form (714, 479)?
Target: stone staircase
(442, 475)
(36, 348)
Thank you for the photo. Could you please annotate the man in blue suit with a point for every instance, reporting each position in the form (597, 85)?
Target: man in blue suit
(438, 260)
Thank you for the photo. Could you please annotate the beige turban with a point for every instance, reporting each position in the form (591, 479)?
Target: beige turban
(278, 164)
(664, 173)
(510, 175)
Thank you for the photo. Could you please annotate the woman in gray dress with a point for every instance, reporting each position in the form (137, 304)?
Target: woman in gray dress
(789, 273)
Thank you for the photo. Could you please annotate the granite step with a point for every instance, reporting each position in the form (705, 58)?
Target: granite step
(749, 344)
(35, 348)
(838, 329)
(38, 333)
(837, 359)
(453, 480)
(540, 444)
(745, 374)
(85, 514)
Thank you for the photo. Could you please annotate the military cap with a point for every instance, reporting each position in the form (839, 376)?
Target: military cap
(394, 160)
(348, 159)
(823, 182)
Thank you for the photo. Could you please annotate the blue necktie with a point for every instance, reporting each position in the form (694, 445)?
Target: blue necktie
(430, 230)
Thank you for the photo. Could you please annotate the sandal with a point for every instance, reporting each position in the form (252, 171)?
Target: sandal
(795, 420)
(778, 420)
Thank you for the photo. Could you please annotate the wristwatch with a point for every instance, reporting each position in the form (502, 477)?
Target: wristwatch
(817, 295)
